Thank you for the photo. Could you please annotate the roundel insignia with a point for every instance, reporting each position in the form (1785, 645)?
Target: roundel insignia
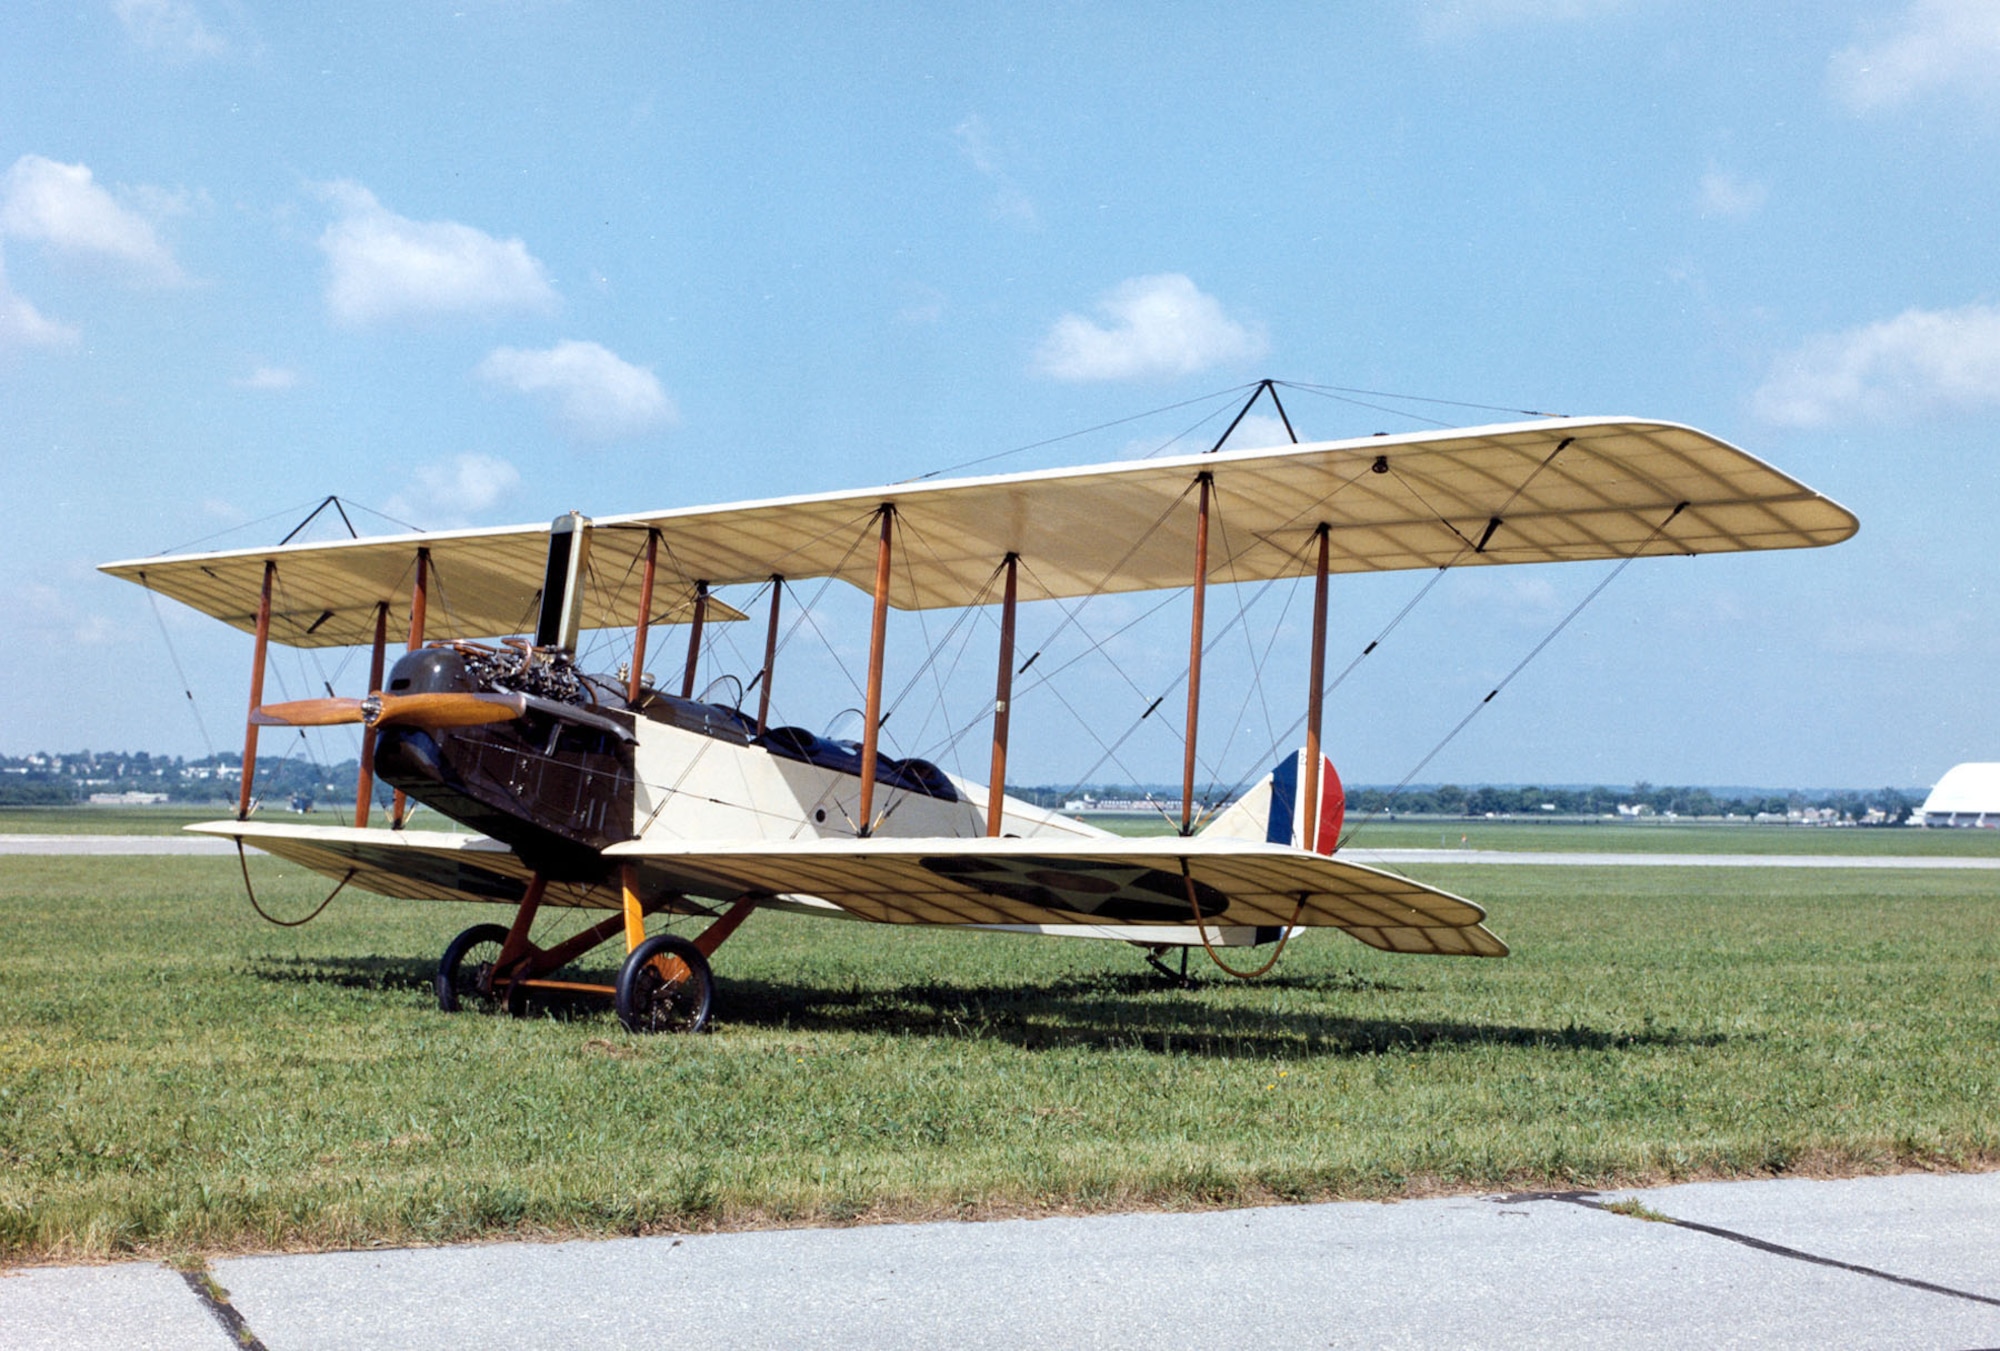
(1114, 891)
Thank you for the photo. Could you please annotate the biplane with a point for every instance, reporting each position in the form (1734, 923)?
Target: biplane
(608, 792)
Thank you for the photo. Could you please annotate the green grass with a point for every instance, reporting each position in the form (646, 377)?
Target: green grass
(1625, 837)
(176, 1077)
(169, 819)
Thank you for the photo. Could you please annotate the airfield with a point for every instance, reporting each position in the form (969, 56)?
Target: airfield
(193, 1087)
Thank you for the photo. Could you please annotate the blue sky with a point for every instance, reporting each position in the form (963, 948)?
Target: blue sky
(486, 262)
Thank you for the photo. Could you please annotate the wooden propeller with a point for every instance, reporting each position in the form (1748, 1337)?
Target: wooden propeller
(390, 710)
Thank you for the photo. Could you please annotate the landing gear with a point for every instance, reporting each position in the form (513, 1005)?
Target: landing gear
(665, 986)
(465, 972)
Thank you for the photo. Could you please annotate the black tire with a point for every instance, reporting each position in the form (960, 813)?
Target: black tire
(465, 972)
(648, 1001)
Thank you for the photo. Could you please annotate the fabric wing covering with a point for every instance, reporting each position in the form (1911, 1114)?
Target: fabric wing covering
(1556, 490)
(937, 881)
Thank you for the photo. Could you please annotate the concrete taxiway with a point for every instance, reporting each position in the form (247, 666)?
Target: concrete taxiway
(1903, 1261)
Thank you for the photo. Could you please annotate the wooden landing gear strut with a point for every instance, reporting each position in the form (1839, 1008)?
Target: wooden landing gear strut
(665, 984)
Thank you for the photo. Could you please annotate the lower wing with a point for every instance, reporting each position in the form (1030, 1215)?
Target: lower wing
(1171, 881)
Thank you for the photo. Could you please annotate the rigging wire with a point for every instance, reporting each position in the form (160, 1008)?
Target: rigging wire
(1328, 390)
(1466, 546)
(243, 860)
(1519, 666)
(1071, 436)
(180, 674)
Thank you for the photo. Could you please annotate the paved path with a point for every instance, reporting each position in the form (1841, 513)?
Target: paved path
(1910, 1261)
(115, 844)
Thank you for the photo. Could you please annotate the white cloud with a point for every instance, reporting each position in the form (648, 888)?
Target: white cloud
(173, 28)
(1456, 18)
(447, 494)
(1920, 361)
(1009, 202)
(1158, 325)
(1934, 44)
(1724, 194)
(386, 266)
(597, 396)
(22, 325)
(269, 377)
(61, 206)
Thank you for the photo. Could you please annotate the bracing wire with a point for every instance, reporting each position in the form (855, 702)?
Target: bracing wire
(243, 859)
(180, 673)
(1519, 666)
(1071, 436)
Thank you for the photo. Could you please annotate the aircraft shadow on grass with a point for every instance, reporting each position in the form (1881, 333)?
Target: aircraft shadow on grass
(1122, 1011)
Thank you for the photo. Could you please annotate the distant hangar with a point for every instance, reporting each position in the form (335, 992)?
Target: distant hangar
(1968, 795)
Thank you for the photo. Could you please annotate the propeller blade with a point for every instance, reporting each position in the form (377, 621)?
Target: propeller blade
(310, 713)
(448, 710)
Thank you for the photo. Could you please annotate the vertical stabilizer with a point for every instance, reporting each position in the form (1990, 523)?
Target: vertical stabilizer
(1273, 810)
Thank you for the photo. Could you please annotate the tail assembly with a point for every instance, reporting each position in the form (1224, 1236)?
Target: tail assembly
(1274, 810)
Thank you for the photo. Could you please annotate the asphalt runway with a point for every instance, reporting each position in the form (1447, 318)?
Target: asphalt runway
(1904, 1261)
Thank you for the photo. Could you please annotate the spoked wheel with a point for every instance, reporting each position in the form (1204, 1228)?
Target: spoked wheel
(665, 986)
(465, 972)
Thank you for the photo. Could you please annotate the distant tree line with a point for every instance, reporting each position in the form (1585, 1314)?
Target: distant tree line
(56, 779)
(53, 779)
(1479, 800)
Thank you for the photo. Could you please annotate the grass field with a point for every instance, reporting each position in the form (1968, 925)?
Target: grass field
(168, 819)
(1624, 837)
(176, 1077)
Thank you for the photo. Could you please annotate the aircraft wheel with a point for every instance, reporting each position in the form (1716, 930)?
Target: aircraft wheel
(665, 986)
(464, 974)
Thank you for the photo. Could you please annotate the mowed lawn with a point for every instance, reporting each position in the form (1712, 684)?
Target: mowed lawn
(177, 1077)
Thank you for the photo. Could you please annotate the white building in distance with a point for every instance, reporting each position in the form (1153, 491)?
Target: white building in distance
(1968, 795)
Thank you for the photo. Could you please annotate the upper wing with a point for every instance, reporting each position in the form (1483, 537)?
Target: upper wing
(1106, 882)
(1561, 489)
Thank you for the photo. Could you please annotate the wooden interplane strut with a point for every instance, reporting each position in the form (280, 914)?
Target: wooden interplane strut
(420, 596)
(1003, 698)
(1207, 481)
(1315, 698)
(364, 783)
(770, 657)
(637, 679)
(878, 631)
(258, 653)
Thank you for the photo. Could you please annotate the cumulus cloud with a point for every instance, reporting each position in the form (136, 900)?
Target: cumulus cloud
(382, 266)
(1921, 361)
(269, 377)
(1155, 326)
(172, 28)
(62, 206)
(1725, 194)
(596, 395)
(22, 325)
(975, 142)
(446, 494)
(1934, 44)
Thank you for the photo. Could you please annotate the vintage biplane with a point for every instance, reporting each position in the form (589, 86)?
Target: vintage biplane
(604, 790)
